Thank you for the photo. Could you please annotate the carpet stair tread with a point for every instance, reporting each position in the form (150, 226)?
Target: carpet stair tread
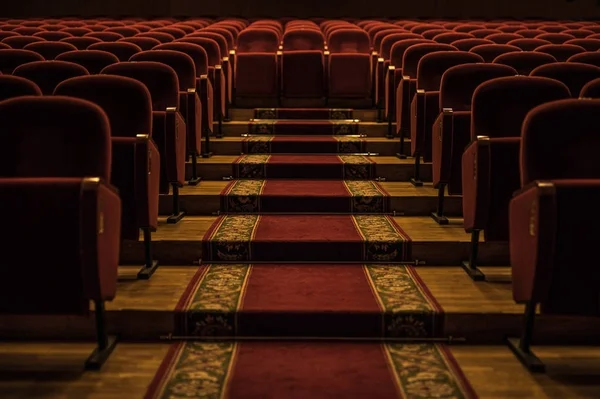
(298, 370)
(304, 127)
(303, 113)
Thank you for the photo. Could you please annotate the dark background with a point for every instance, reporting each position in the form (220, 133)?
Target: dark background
(552, 9)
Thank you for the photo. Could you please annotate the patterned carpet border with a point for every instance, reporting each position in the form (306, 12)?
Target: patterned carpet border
(362, 196)
(212, 304)
(205, 369)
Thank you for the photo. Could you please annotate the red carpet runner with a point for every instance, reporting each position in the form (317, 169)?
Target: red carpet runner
(308, 300)
(304, 167)
(304, 196)
(305, 238)
(304, 145)
(316, 370)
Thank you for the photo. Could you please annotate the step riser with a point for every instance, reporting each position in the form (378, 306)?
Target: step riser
(433, 253)
(198, 205)
(222, 147)
(242, 114)
(137, 325)
(389, 172)
(234, 129)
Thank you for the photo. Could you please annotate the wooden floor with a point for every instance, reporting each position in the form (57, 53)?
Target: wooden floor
(52, 371)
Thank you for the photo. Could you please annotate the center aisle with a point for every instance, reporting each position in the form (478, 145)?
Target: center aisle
(305, 249)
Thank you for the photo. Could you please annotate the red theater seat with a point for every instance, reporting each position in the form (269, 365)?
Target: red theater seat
(105, 36)
(591, 89)
(490, 164)
(14, 86)
(144, 43)
(48, 74)
(53, 36)
(256, 64)
(122, 50)
(451, 131)
(92, 60)
(528, 44)
(11, 59)
(555, 38)
(560, 185)
(424, 107)
(55, 171)
(561, 52)
(590, 58)
(574, 75)
(303, 65)
(168, 126)
(489, 52)
(191, 109)
(50, 50)
(19, 42)
(468, 44)
(587, 44)
(524, 61)
(136, 161)
(349, 65)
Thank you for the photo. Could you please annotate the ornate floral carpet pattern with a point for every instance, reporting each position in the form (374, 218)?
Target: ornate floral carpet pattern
(303, 127)
(305, 238)
(342, 167)
(304, 300)
(264, 144)
(304, 113)
(304, 196)
(289, 370)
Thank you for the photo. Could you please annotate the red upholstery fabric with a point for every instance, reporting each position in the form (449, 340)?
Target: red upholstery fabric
(81, 43)
(48, 74)
(587, 44)
(53, 36)
(524, 61)
(92, 60)
(136, 160)
(468, 44)
(19, 42)
(528, 44)
(450, 37)
(451, 133)
(490, 166)
(123, 50)
(555, 38)
(590, 58)
(561, 52)
(14, 86)
(573, 74)
(591, 89)
(349, 64)
(503, 38)
(105, 36)
(489, 52)
(144, 43)
(50, 50)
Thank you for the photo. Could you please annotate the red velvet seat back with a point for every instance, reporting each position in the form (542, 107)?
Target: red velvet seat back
(67, 140)
(19, 42)
(161, 81)
(50, 50)
(468, 44)
(82, 43)
(196, 53)
(399, 49)
(126, 101)
(432, 66)
(500, 105)
(76, 32)
(587, 44)
(591, 89)
(459, 82)
(125, 31)
(160, 36)
(92, 60)
(14, 86)
(450, 37)
(48, 74)
(413, 55)
(60, 141)
(349, 41)
(489, 52)
(122, 50)
(255, 40)
(573, 74)
(144, 43)
(388, 42)
(210, 46)
(560, 141)
(561, 52)
(303, 40)
(182, 64)
(555, 38)
(528, 44)
(530, 33)
(524, 61)
(53, 36)
(483, 33)
(105, 36)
